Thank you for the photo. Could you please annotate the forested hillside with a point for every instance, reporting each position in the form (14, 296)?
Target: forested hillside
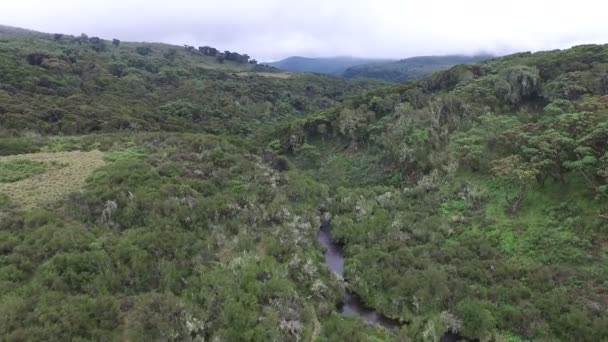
(329, 65)
(53, 84)
(475, 200)
(407, 69)
(154, 193)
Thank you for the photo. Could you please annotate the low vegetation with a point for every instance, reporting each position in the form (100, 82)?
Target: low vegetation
(18, 169)
(39, 178)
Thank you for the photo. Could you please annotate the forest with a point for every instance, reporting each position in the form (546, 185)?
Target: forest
(151, 192)
(59, 84)
(413, 68)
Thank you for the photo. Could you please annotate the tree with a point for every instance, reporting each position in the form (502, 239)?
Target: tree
(208, 51)
(515, 173)
(157, 316)
(520, 83)
(143, 50)
(117, 68)
(352, 125)
(97, 43)
(477, 320)
(170, 54)
(548, 151)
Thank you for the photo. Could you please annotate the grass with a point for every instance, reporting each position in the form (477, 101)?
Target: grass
(41, 188)
(281, 75)
(18, 169)
(552, 227)
(127, 154)
(5, 202)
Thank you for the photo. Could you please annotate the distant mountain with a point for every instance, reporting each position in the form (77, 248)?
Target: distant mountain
(410, 68)
(331, 65)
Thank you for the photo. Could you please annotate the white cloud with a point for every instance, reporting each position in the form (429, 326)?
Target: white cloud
(271, 29)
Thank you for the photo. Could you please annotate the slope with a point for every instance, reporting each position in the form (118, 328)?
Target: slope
(410, 68)
(473, 201)
(330, 65)
(53, 84)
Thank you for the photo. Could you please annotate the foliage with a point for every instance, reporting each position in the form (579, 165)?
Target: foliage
(500, 197)
(18, 169)
(80, 85)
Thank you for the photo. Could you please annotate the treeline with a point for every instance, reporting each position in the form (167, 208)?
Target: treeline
(99, 44)
(221, 56)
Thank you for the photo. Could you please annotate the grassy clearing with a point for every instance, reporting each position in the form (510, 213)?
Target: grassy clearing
(41, 188)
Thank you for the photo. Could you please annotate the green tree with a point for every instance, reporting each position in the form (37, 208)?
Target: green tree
(516, 174)
(477, 319)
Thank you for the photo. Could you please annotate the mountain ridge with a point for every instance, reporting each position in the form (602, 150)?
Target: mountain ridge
(326, 65)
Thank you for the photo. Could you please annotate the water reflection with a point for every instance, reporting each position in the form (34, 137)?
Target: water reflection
(351, 305)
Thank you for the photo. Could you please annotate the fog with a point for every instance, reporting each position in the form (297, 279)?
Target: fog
(273, 29)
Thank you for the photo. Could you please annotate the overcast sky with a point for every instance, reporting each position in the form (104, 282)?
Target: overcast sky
(273, 29)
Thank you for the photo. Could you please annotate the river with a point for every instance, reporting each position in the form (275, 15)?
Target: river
(351, 304)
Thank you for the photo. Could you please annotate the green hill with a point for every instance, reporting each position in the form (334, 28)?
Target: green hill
(410, 68)
(330, 65)
(473, 200)
(63, 84)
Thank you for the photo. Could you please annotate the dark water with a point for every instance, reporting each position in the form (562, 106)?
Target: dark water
(351, 305)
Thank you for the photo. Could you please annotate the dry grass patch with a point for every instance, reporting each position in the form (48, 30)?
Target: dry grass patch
(282, 75)
(69, 173)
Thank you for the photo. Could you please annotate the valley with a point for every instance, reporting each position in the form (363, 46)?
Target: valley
(152, 192)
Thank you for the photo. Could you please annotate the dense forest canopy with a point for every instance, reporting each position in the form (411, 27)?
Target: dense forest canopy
(59, 84)
(475, 198)
(152, 192)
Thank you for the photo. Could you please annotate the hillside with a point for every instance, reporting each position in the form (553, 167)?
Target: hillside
(150, 192)
(53, 84)
(410, 68)
(330, 65)
(473, 201)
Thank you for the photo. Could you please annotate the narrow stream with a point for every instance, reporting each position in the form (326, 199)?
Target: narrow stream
(350, 305)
